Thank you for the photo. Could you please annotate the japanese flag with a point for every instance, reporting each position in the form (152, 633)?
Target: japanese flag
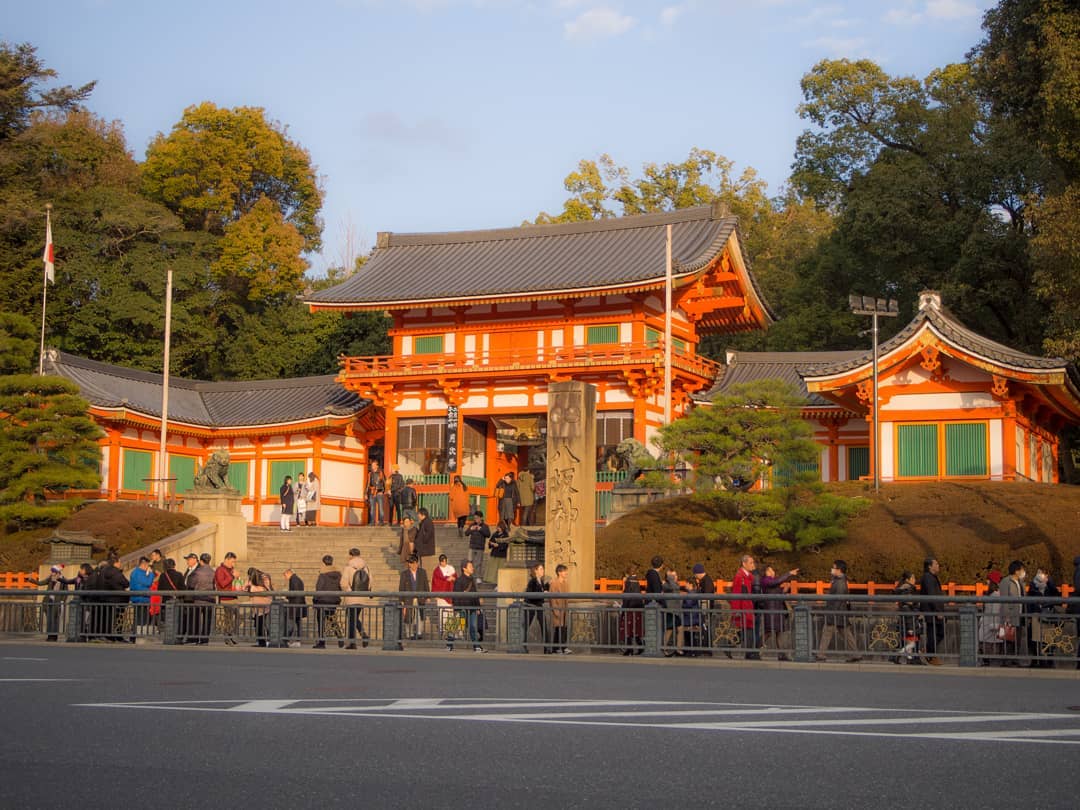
(48, 256)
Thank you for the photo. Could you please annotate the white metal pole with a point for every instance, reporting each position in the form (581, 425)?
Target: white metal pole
(667, 330)
(163, 467)
(44, 294)
(877, 431)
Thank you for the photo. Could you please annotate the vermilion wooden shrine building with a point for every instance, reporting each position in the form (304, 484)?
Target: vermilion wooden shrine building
(483, 321)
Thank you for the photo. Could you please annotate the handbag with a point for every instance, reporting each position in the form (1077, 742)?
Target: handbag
(1007, 632)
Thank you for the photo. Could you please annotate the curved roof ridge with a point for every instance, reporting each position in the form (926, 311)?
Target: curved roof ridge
(650, 220)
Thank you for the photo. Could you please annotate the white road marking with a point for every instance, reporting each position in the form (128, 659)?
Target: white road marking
(14, 658)
(260, 706)
(899, 724)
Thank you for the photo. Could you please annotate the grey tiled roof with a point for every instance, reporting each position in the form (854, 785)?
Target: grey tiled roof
(790, 367)
(946, 324)
(209, 404)
(577, 256)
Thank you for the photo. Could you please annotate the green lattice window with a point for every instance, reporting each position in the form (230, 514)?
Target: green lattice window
(965, 449)
(137, 467)
(279, 469)
(654, 336)
(428, 344)
(182, 468)
(917, 451)
(238, 476)
(858, 463)
(595, 335)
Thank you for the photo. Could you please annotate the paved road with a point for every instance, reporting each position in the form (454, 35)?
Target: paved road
(87, 725)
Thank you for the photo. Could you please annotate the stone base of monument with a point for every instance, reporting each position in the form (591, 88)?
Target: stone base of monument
(223, 510)
(627, 499)
(513, 577)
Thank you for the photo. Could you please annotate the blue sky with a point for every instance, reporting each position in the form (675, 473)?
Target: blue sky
(427, 115)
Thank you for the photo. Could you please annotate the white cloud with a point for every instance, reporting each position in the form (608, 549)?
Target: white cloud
(911, 13)
(902, 16)
(670, 14)
(951, 9)
(598, 23)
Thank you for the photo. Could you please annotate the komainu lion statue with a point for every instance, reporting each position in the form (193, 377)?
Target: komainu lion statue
(214, 475)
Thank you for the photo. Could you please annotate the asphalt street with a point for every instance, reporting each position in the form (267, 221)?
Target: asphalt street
(110, 726)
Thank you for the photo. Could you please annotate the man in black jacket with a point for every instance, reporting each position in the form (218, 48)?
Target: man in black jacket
(835, 618)
(654, 578)
(478, 534)
(425, 536)
(113, 579)
(534, 608)
(932, 612)
(413, 579)
(467, 605)
(296, 610)
(326, 604)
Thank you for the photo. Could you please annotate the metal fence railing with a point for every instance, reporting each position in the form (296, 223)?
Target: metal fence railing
(964, 631)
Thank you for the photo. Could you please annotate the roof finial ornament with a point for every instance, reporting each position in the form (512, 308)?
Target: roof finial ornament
(720, 209)
(929, 299)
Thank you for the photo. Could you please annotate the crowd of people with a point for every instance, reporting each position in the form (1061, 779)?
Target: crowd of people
(119, 607)
(1007, 630)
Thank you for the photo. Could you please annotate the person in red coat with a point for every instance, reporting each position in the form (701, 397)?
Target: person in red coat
(743, 609)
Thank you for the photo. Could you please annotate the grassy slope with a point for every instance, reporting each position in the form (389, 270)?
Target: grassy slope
(965, 525)
(126, 526)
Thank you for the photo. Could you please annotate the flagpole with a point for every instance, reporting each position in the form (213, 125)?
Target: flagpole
(667, 330)
(163, 467)
(45, 285)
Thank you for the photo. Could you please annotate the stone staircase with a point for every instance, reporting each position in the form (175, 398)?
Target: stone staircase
(302, 549)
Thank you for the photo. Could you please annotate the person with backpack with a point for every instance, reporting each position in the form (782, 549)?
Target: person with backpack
(397, 484)
(355, 579)
(408, 500)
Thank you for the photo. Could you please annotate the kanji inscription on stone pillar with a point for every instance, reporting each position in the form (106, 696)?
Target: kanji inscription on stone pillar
(571, 482)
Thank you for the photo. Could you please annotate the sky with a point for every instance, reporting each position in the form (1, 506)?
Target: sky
(440, 115)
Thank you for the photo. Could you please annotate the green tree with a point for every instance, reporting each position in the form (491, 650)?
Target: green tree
(746, 430)
(261, 257)
(928, 192)
(217, 164)
(18, 344)
(755, 432)
(1028, 69)
(21, 75)
(47, 447)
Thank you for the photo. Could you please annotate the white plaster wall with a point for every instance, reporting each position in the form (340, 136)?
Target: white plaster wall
(275, 441)
(449, 342)
(556, 338)
(406, 344)
(997, 457)
(823, 464)
(625, 332)
(435, 402)
(618, 395)
(342, 480)
(651, 431)
(942, 401)
(540, 399)
(888, 452)
(248, 511)
(579, 335)
(510, 400)
(476, 401)
(470, 343)
(409, 404)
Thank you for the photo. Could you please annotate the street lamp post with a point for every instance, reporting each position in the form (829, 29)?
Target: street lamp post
(874, 307)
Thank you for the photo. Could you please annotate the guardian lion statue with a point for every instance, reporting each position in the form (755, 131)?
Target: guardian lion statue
(214, 476)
